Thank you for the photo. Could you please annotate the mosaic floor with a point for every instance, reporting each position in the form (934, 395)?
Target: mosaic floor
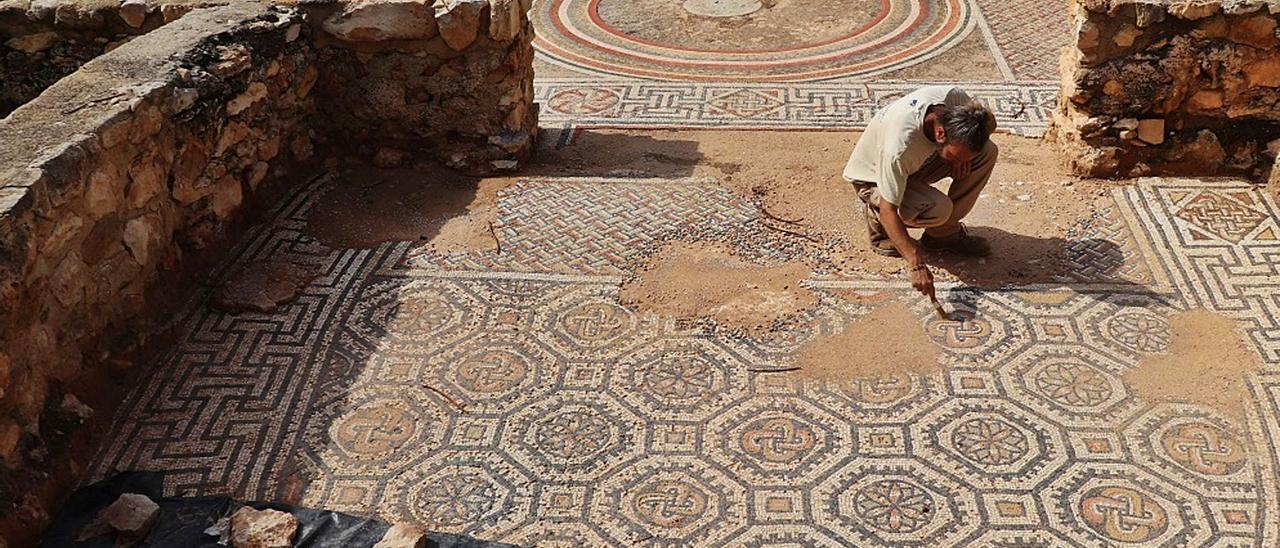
(508, 396)
(780, 64)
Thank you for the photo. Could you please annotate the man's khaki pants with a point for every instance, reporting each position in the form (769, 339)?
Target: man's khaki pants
(926, 207)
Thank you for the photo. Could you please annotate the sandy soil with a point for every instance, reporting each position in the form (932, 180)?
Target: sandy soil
(1206, 364)
(889, 340)
(1026, 210)
(448, 210)
(699, 281)
(263, 286)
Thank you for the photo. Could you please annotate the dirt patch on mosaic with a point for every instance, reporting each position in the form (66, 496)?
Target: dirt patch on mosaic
(1031, 210)
(263, 286)
(699, 281)
(888, 341)
(1206, 364)
(449, 211)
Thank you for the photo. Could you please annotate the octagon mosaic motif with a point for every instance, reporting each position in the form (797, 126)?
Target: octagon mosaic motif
(455, 398)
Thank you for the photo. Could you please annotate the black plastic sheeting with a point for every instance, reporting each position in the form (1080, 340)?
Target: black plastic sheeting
(183, 520)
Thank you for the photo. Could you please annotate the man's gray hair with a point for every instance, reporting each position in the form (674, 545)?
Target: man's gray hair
(967, 124)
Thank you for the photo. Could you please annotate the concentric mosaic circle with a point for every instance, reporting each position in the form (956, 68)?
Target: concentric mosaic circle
(748, 39)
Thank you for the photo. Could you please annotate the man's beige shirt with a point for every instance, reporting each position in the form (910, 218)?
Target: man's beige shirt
(894, 145)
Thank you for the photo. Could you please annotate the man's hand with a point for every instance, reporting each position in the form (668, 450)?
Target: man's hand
(960, 170)
(922, 280)
(921, 277)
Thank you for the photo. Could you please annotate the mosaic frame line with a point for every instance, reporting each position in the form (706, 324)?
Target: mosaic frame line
(1023, 108)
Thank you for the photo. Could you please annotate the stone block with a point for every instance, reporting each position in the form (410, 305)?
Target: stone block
(33, 43)
(1126, 36)
(146, 180)
(1205, 99)
(1258, 31)
(506, 19)
(1151, 131)
(402, 536)
(256, 91)
(262, 528)
(131, 517)
(1263, 73)
(226, 197)
(383, 20)
(142, 236)
(134, 12)
(1193, 10)
(459, 21)
(105, 191)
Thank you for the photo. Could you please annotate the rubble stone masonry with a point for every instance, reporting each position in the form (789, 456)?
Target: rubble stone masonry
(118, 170)
(1171, 87)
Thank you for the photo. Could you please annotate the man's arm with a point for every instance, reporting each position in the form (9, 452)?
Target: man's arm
(892, 186)
(921, 278)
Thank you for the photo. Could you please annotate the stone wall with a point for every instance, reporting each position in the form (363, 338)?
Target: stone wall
(1171, 87)
(112, 178)
(117, 177)
(41, 42)
(451, 80)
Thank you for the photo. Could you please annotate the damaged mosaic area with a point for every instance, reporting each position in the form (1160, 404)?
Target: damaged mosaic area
(507, 395)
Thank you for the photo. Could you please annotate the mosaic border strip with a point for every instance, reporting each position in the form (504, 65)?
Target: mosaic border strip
(1021, 108)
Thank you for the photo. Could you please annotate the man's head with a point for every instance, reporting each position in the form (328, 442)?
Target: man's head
(963, 131)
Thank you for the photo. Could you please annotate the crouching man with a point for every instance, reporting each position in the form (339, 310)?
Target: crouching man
(933, 133)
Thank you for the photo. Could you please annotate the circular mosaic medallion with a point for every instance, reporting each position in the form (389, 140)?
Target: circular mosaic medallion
(374, 430)
(1140, 332)
(574, 435)
(492, 371)
(1122, 514)
(1204, 449)
(894, 506)
(777, 440)
(669, 502)
(454, 500)
(755, 40)
(990, 441)
(1073, 385)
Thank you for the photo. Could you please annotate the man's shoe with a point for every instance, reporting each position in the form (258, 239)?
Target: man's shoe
(960, 243)
(880, 243)
(886, 248)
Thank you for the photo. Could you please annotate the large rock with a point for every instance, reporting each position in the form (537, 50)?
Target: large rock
(1194, 9)
(134, 12)
(33, 43)
(401, 536)
(459, 21)
(131, 517)
(1151, 131)
(381, 20)
(1258, 31)
(262, 528)
(1263, 73)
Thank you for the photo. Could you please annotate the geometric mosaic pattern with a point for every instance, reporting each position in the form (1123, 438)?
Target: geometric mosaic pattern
(519, 402)
(1029, 35)
(781, 42)
(615, 67)
(1023, 108)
